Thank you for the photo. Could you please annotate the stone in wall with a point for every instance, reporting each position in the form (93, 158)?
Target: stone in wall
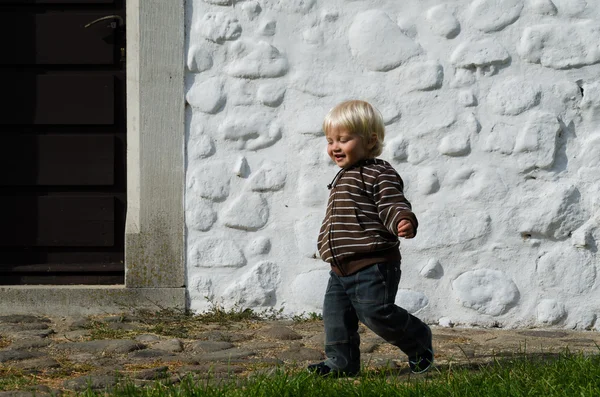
(443, 22)
(447, 228)
(308, 120)
(411, 301)
(219, 27)
(493, 15)
(550, 312)
(258, 246)
(309, 288)
(488, 291)
(571, 8)
(455, 144)
(242, 92)
(536, 143)
(467, 98)
(199, 59)
(252, 9)
(269, 177)
(253, 60)
(250, 211)
(201, 292)
(271, 94)
(295, 6)
(378, 43)
(215, 252)
(561, 46)
(543, 7)
(311, 193)
(200, 147)
(397, 149)
(513, 96)
(200, 214)
(256, 287)
(250, 128)
(241, 167)
(479, 53)
(210, 181)
(555, 214)
(590, 102)
(267, 28)
(428, 181)
(566, 269)
(207, 96)
(219, 2)
(501, 138)
(433, 269)
(422, 76)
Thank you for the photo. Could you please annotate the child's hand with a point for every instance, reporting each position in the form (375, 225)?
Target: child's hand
(405, 229)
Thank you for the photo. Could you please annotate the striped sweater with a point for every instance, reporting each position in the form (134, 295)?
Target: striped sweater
(360, 228)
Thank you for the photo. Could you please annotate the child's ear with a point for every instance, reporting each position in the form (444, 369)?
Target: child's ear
(372, 141)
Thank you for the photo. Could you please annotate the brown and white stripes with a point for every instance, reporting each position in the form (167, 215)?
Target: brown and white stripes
(365, 204)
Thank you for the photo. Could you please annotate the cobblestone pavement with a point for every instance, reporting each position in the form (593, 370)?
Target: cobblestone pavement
(70, 354)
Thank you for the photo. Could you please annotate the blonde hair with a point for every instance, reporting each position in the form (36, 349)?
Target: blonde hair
(360, 118)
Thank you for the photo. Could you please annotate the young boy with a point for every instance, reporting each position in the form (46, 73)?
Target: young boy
(366, 213)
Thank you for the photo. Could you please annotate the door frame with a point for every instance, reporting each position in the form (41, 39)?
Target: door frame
(155, 223)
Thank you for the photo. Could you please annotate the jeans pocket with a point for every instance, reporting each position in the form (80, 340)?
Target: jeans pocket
(370, 285)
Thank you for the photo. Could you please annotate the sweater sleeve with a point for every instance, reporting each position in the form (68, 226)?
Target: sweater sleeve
(392, 206)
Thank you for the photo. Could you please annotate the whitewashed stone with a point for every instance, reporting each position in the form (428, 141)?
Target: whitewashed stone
(309, 288)
(218, 2)
(443, 22)
(493, 15)
(306, 231)
(554, 214)
(423, 76)
(257, 287)
(469, 120)
(455, 144)
(590, 152)
(501, 138)
(207, 96)
(271, 94)
(219, 27)
(445, 228)
(268, 28)
(247, 212)
(480, 53)
(296, 6)
(513, 96)
(209, 180)
(199, 59)
(252, 9)
(329, 16)
(428, 181)
(255, 60)
(550, 312)
(543, 7)
(417, 154)
(463, 78)
(311, 193)
(411, 301)
(241, 167)
(397, 149)
(251, 129)
(269, 177)
(390, 114)
(561, 46)
(407, 25)
(200, 147)
(201, 292)
(393, 47)
(216, 252)
(258, 246)
(467, 98)
(566, 269)
(308, 121)
(446, 322)
(537, 141)
(200, 214)
(488, 291)
(590, 103)
(241, 93)
(433, 269)
(571, 8)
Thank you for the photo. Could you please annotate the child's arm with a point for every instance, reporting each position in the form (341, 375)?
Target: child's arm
(395, 211)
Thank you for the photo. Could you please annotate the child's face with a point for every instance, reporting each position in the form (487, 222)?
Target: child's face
(345, 148)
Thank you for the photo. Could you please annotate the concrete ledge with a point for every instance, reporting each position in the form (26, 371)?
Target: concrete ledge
(86, 300)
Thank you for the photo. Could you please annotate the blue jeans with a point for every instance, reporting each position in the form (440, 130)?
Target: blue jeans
(368, 296)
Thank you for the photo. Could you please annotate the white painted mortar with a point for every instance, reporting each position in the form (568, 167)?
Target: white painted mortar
(492, 109)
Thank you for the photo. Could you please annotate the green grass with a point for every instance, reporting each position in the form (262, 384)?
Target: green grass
(560, 375)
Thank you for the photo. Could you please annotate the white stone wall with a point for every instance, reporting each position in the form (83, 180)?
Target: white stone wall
(492, 110)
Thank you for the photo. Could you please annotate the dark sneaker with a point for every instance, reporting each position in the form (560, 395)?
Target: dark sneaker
(322, 369)
(319, 369)
(421, 363)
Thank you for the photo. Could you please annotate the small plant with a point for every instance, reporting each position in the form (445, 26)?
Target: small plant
(307, 317)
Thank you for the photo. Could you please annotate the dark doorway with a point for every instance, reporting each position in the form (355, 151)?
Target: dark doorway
(62, 142)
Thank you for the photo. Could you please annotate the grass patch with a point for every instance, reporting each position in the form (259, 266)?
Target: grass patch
(562, 375)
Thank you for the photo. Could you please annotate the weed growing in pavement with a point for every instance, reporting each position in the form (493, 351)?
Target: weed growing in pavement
(307, 317)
